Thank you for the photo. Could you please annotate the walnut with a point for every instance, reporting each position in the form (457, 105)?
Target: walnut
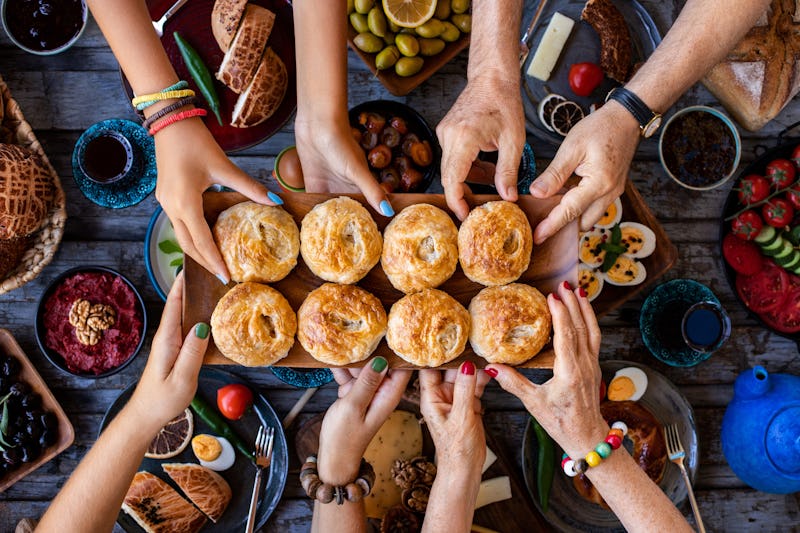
(416, 498)
(399, 520)
(416, 471)
(90, 320)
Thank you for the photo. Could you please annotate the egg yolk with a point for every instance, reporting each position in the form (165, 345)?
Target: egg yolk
(589, 282)
(632, 240)
(590, 251)
(609, 215)
(624, 270)
(206, 447)
(621, 388)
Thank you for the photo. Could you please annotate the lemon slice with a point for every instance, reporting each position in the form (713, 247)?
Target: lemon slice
(409, 13)
(173, 438)
(546, 106)
(564, 116)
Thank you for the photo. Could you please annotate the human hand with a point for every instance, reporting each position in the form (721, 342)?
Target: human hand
(366, 399)
(599, 149)
(486, 117)
(189, 162)
(169, 380)
(567, 405)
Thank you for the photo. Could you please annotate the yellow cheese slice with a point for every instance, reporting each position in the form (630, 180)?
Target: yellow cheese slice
(553, 40)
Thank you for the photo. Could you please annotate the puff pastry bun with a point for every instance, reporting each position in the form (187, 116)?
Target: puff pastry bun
(428, 328)
(420, 248)
(340, 324)
(339, 241)
(495, 243)
(257, 242)
(254, 325)
(510, 324)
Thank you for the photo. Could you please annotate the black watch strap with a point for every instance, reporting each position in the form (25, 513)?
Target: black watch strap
(632, 103)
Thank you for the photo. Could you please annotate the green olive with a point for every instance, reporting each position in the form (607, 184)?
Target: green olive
(430, 47)
(408, 66)
(407, 44)
(462, 22)
(442, 9)
(387, 57)
(432, 28)
(359, 22)
(394, 27)
(459, 6)
(351, 5)
(363, 6)
(368, 43)
(450, 33)
(388, 37)
(377, 21)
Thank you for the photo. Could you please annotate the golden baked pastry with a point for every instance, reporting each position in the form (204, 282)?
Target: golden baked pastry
(428, 328)
(225, 19)
(420, 248)
(616, 51)
(510, 324)
(26, 191)
(158, 508)
(340, 324)
(258, 242)
(339, 241)
(253, 325)
(208, 490)
(495, 243)
(243, 56)
(265, 93)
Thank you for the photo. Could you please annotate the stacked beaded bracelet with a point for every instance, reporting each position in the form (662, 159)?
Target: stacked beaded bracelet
(326, 493)
(161, 113)
(178, 90)
(612, 441)
(172, 119)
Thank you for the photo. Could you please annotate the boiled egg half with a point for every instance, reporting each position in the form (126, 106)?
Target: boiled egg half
(625, 271)
(611, 216)
(590, 281)
(629, 383)
(638, 240)
(589, 251)
(213, 452)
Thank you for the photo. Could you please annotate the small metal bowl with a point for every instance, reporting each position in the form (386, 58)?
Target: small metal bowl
(49, 52)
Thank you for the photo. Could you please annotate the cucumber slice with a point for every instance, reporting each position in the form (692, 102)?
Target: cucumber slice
(794, 235)
(794, 263)
(774, 247)
(766, 236)
(785, 251)
(796, 269)
(784, 258)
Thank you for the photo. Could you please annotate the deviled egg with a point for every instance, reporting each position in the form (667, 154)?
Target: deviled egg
(625, 271)
(638, 239)
(629, 383)
(213, 452)
(591, 282)
(611, 216)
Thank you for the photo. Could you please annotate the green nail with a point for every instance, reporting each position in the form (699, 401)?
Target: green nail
(378, 364)
(201, 330)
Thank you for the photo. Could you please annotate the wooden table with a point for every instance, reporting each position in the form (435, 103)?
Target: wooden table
(64, 94)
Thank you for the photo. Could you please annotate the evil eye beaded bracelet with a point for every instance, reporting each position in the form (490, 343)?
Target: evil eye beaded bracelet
(603, 449)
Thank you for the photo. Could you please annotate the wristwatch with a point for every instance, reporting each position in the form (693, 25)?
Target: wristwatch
(649, 120)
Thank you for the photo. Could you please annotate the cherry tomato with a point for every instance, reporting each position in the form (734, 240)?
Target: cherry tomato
(793, 195)
(778, 213)
(753, 189)
(585, 78)
(234, 400)
(796, 156)
(747, 225)
(781, 173)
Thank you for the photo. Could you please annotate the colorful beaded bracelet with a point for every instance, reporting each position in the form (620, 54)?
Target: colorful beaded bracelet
(146, 100)
(140, 106)
(316, 489)
(177, 117)
(161, 113)
(612, 441)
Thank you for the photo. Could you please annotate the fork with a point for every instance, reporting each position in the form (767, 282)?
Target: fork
(158, 25)
(263, 458)
(677, 455)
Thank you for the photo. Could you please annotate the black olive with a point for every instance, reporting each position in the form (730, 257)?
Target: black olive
(10, 367)
(34, 429)
(5, 383)
(48, 421)
(12, 456)
(30, 401)
(48, 438)
(34, 414)
(30, 452)
(19, 388)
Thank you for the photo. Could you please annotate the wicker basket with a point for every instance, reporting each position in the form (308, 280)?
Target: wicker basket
(44, 242)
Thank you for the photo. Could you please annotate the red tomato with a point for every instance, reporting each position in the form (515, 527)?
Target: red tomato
(234, 400)
(747, 225)
(743, 256)
(781, 173)
(584, 78)
(796, 156)
(765, 290)
(753, 189)
(778, 213)
(785, 318)
(793, 195)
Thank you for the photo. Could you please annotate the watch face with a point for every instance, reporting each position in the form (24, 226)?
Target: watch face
(651, 127)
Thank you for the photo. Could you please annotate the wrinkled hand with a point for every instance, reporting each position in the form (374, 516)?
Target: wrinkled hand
(189, 162)
(567, 405)
(451, 404)
(366, 399)
(486, 117)
(599, 149)
(169, 380)
(332, 161)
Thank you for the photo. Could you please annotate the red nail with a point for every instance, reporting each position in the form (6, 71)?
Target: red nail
(467, 368)
(582, 292)
(556, 297)
(567, 286)
(491, 371)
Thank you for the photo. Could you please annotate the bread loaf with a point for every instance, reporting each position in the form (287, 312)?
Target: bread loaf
(761, 74)
(26, 191)
(264, 94)
(244, 55)
(225, 19)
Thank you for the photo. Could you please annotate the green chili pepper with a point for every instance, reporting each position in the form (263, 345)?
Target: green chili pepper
(545, 467)
(200, 74)
(218, 425)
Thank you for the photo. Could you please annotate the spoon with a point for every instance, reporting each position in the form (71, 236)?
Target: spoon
(158, 25)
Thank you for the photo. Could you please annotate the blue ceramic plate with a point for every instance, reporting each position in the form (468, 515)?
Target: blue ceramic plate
(240, 476)
(568, 511)
(303, 377)
(667, 294)
(163, 258)
(137, 184)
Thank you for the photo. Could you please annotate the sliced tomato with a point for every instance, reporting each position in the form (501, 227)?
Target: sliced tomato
(786, 317)
(765, 290)
(743, 256)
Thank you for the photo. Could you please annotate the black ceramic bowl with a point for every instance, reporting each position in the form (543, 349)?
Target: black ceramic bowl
(40, 330)
(416, 124)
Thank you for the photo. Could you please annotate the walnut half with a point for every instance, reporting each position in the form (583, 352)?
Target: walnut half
(90, 320)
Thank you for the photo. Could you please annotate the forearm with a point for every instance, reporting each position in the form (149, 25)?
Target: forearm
(492, 51)
(346, 518)
(92, 497)
(452, 499)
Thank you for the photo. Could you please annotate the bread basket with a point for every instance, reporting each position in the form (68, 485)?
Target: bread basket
(44, 243)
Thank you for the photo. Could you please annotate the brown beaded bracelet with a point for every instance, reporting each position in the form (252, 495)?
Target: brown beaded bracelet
(161, 113)
(316, 489)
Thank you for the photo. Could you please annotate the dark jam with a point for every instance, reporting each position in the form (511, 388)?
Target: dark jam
(44, 24)
(668, 326)
(105, 158)
(699, 148)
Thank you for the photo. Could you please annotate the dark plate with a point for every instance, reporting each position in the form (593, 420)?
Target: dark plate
(240, 476)
(784, 150)
(568, 511)
(583, 45)
(193, 22)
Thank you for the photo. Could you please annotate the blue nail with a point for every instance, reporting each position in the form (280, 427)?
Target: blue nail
(275, 198)
(386, 209)
(222, 279)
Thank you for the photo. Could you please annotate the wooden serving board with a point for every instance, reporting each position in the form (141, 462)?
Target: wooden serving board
(552, 262)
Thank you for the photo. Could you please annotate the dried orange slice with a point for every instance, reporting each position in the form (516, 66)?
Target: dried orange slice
(546, 106)
(409, 13)
(564, 116)
(173, 438)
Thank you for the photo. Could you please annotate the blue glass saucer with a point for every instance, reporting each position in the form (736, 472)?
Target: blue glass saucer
(303, 377)
(140, 180)
(667, 294)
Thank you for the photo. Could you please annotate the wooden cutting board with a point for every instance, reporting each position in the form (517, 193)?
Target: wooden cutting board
(551, 263)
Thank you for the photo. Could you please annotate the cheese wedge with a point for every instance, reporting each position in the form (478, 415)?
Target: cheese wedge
(549, 49)
(157, 508)
(240, 62)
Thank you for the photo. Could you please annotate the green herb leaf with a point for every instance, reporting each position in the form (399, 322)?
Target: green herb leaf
(616, 234)
(176, 262)
(169, 246)
(608, 261)
(613, 248)
(4, 421)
